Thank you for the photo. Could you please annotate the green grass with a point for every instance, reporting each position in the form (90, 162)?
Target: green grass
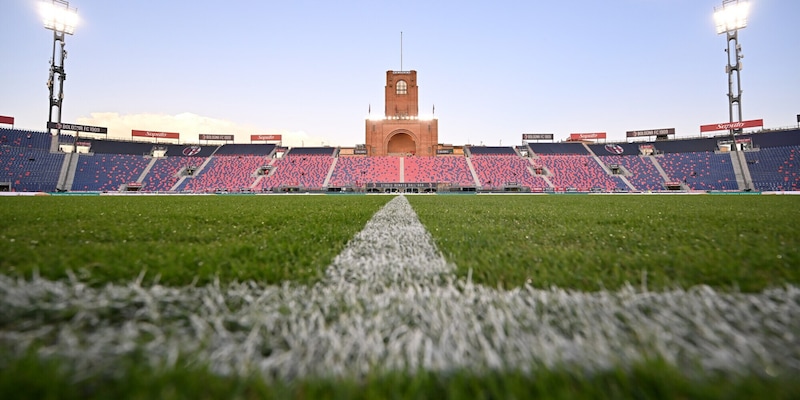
(576, 242)
(601, 242)
(31, 377)
(270, 239)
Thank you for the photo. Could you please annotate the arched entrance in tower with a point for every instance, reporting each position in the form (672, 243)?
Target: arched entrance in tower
(401, 143)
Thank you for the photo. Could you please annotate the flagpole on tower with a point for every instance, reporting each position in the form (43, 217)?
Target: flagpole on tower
(401, 50)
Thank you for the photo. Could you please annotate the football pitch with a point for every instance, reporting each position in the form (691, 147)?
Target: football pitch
(454, 296)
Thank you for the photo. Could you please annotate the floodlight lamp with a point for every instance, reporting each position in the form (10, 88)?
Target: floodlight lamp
(732, 16)
(58, 16)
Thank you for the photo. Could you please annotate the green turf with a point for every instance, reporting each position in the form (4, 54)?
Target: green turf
(269, 239)
(31, 377)
(576, 242)
(595, 242)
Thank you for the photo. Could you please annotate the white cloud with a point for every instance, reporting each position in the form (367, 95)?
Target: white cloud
(189, 126)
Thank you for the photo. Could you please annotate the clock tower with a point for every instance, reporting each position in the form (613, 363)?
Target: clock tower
(401, 131)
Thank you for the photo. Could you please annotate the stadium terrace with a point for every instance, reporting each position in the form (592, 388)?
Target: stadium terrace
(401, 154)
(38, 162)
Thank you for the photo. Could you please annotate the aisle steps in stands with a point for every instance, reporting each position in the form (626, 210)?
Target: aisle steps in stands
(330, 172)
(660, 169)
(623, 178)
(197, 172)
(740, 169)
(64, 181)
(257, 183)
(472, 171)
(147, 169)
(402, 170)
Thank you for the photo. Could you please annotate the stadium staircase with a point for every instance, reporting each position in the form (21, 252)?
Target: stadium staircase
(660, 169)
(402, 169)
(147, 169)
(330, 172)
(195, 174)
(474, 174)
(533, 172)
(741, 170)
(531, 160)
(257, 183)
(603, 165)
(67, 175)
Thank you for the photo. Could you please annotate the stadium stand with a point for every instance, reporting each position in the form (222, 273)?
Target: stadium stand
(300, 171)
(581, 172)
(23, 138)
(165, 173)
(107, 172)
(312, 151)
(189, 150)
(702, 170)
(628, 149)
(775, 168)
(776, 139)
(643, 174)
(497, 172)
(232, 173)
(686, 145)
(355, 171)
(30, 169)
(490, 150)
(246, 149)
(698, 164)
(119, 147)
(558, 148)
(440, 169)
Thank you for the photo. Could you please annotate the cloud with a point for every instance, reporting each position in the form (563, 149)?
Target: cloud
(189, 126)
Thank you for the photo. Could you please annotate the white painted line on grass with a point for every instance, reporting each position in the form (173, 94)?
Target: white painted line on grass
(390, 302)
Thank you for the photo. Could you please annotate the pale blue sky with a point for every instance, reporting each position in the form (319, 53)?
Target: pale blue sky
(310, 69)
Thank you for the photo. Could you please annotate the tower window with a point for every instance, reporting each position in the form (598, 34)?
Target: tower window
(402, 87)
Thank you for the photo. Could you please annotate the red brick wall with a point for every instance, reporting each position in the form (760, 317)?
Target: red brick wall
(401, 112)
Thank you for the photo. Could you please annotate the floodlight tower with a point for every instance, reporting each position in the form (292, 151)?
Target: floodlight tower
(61, 19)
(729, 18)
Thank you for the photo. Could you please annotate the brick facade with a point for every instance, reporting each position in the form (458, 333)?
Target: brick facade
(401, 131)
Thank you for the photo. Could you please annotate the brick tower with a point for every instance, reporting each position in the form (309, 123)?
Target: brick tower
(401, 131)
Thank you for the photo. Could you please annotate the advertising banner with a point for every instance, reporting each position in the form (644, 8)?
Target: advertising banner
(651, 132)
(265, 137)
(724, 126)
(77, 128)
(537, 136)
(587, 136)
(204, 136)
(157, 135)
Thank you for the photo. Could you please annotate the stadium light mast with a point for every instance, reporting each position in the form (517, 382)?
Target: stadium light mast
(729, 18)
(58, 17)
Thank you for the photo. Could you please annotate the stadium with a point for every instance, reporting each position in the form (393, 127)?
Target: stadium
(766, 164)
(167, 266)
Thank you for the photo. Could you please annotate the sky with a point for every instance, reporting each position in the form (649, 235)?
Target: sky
(311, 70)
